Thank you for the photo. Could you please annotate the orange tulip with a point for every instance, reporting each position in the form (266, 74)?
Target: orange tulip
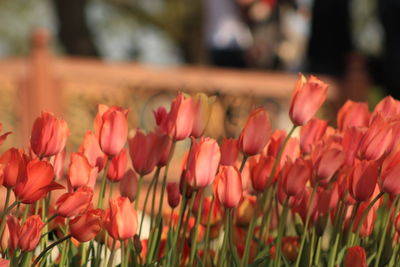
(49, 135)
(353, 114)
(307, 98)
(75, 203)
(14, 162)
(80, 172)
(356, 257)
(228, 186)
(256, 133)
(178, 123)
(121, 219)
(311, 133)
(117, 167)
(363, 179)
(91, 149)
(202, 162)
(128, 185)
(111, 127)
(25, 236)
(229, 151)
(86, 226)
(144, 152)
(35, 182)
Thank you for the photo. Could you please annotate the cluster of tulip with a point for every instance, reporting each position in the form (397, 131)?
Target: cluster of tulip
(264, 199)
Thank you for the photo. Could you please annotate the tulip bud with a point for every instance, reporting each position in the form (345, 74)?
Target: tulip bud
(49, 135)
(80, 172)
(256, 133)
(35, 182)
(86, 226)
(121, 219)
(356, 257)
(75, 203)
(173, 195)
(117, 167)
(229, 186)
(128, 185)
(307, 98)
(111, 127)
(353, 114)
(203, 161)
(178, 124)
(363, 179)
(229, 151)
(91, 149)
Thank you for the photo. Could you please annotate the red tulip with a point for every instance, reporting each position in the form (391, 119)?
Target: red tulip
(128, 185)
(387, 107)
(353, 114)
(178, 124)
(75, 203)
(144, 152)
(255, 133)
(356, 257)
(4, 263)
(261, 172)
(291, 151)
(111, 127)
(85, 227)
(121, 219)
(351, 143)
(363, 179)
(58, 163)
(25, 236)
(117, 167)
(49, 135)
(389, 178)
(14, 162)
(328, 162)
(202, 162)
(229, 151)
(91, 149)
(80, 172)
(311, 133)
(163, 144)
(173, 194)
(35, 182)
(159, 115)
(377, 141)
(228, 186)
(294, 176)
(307, 98)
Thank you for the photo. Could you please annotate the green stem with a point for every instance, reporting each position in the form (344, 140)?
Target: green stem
(232, 247)
(153, 202)
(138, 190)
(243, 163)
(383, 237)
(193, 249)
(207, 237)
(111, 259)
(281, 229)
(144, 206)
(351, 224)
(49, 248)
(100, 202)
(83, 254)
(305, 232)
(3, 220)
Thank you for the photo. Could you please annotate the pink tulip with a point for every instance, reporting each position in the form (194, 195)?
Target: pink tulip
(128, 185)
(202, 162)
(80, 172)
(307, 98)
(178, 124)
(111, 127)
(294, 176)
(85, 227)
(328, 162)
(353, 114)
(387, 107)
(117, 167)
(255, 133)
(351, 142)
(229, 186)
(91, 149)
(144, 152)
(75, 203)
(49, 135)
(121, 219)
(311, 133)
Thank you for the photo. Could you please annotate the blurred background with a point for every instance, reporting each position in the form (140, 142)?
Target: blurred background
(68, 56)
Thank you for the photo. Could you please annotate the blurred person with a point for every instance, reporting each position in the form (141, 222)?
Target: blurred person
(227, 34)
